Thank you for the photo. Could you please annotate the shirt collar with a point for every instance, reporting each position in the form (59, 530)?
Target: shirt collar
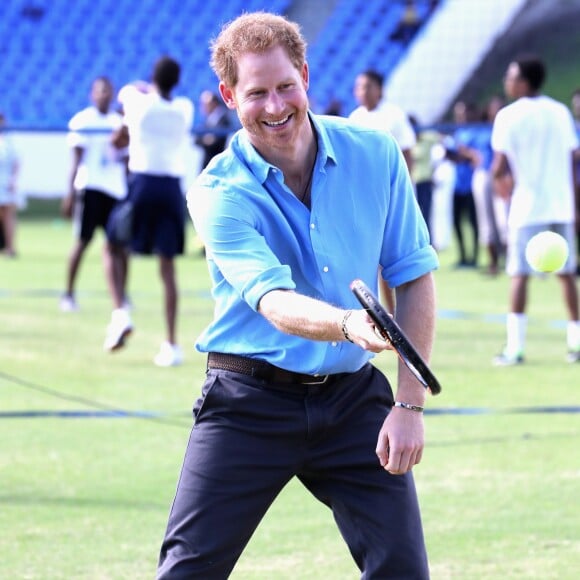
(261, 168)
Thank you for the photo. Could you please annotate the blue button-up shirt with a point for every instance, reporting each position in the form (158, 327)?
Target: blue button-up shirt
(259, 237)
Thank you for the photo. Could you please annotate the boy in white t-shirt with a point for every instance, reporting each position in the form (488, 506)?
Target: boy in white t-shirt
(97, 182)
(374, 112)
(533, 141)
(159, 128)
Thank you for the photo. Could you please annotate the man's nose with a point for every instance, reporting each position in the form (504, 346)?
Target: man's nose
(275, 103)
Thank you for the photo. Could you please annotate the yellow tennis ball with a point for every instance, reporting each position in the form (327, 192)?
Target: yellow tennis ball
(547, 252)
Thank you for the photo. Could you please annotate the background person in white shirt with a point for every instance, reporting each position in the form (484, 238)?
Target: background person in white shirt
(159, 128)
(375, 113)
(97, 182)
(9, 199)
(533, 141)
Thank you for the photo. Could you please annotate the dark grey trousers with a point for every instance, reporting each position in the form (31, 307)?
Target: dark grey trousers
(250, 438)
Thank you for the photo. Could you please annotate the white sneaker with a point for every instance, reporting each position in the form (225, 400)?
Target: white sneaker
(169, 355)
(118, 330)
(68, 303)
(505, 359)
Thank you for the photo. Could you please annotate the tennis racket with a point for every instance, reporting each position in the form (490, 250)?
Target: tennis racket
(390, 330)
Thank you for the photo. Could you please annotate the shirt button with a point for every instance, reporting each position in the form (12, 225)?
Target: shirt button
(325, 269)
(334, 344)
(312, 226)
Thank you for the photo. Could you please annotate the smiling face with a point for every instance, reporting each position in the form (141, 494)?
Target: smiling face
(271, 102)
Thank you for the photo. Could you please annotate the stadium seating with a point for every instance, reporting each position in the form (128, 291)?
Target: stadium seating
(52, 49)
(355, 38)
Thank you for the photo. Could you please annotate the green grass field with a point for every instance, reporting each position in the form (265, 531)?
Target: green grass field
(88, 497)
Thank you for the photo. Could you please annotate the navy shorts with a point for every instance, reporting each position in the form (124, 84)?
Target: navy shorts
(251, 437)
(158, 215)
(91, 211)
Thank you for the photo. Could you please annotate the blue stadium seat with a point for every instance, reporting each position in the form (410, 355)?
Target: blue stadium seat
(354, 38)
(49, 62)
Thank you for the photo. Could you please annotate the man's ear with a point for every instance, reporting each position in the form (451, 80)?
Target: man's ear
(228, 96)
(305, 76)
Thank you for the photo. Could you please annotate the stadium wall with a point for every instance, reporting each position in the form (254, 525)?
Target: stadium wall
(45, 160)
(44, 163)
(446, 54)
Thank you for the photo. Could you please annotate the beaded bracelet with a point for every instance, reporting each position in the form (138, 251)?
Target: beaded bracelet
(343, 325)
(409, 407)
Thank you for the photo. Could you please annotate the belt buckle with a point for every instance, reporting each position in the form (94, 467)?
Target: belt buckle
(323, 379)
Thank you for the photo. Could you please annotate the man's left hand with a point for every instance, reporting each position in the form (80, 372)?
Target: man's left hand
(401, 441)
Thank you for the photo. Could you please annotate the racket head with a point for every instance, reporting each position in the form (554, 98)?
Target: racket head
(388, 327)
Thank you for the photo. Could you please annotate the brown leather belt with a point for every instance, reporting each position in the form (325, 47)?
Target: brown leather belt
(264, 370)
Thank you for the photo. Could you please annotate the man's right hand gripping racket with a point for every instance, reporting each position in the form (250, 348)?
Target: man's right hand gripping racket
(390, 330)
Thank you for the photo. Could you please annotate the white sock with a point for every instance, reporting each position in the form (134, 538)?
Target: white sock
(121, 316)
(516, 325)
(573, 335)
